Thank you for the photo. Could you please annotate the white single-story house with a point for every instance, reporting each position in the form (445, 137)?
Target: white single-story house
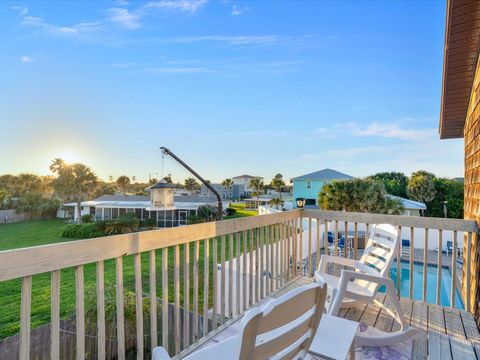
(162, 205)
(412, 208)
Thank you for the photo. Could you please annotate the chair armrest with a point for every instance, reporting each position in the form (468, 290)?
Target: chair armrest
(346, 276)
(159, 353)
(327, 259)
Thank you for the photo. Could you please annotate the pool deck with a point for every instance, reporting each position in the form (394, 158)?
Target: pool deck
(444, 333)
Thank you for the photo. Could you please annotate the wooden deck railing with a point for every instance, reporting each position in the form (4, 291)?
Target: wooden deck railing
(202, 276)
(195, 282)
(429, 233)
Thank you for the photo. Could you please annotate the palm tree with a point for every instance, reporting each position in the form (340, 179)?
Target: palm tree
(73, 181)
(122, 182)
(278, 184)
(227, 183)
(276, 202)
(257, 184)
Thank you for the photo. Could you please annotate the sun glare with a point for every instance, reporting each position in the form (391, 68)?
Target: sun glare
(68, 156)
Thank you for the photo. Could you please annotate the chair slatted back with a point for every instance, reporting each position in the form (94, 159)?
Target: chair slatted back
(380, 251)
(287, 326)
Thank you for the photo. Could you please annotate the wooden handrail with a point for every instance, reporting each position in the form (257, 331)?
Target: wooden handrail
(397, 220)
(39, 259)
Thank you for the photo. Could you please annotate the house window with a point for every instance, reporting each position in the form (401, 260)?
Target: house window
(309, 185)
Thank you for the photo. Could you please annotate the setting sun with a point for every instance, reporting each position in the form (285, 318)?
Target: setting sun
(69, 156)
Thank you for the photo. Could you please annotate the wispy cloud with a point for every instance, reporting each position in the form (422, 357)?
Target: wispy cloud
(231, 40)
(22, 10)
(26, 59)
(176, 70)
(390, 130)
(123, 17)
(40, 22)
(190, 6)
(236, 11)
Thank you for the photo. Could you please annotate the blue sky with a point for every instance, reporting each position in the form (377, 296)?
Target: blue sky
(232, 87)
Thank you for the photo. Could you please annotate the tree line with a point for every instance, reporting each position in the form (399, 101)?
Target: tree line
(442, 196)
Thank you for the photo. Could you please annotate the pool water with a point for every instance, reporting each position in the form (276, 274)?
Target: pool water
(446, 283)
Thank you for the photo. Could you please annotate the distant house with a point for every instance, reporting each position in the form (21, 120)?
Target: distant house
(245, 181)
(412, 208)
(167, 209)
(309, 185)
(226, 192)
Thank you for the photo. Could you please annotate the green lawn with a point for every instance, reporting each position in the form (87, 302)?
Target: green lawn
(241, 211)
(33, 233)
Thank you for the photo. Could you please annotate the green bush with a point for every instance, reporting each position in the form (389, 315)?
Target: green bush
(150, 223)
(87, 218)
(83, 231)
(230, 211)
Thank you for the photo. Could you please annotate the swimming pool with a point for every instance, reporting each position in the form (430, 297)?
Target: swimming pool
(446, 283)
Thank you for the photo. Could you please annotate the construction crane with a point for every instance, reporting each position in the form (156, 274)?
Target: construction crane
(167, 152)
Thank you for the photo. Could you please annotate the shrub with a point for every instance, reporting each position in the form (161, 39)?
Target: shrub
(83, 231)
(150, 223)
(87, 218)
(230, 211)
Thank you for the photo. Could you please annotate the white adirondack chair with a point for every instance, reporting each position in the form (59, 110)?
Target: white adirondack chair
(282, 328)
(359, 282)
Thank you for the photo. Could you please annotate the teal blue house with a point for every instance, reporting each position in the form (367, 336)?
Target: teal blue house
(309, 185)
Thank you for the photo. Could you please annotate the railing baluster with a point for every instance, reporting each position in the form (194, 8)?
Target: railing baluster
(176, 296)
(215, 281)
(262, 262)
(55, 316)
(317, 258)
(267, 261)
(412, 251)
(25, 314)
(138, 304)
(244, 271)
(425, 265)
(251, 275)
(80, 313)
(222, 280)
(453, 269)
(439, 267)
(196, 256)
(335, 266)
(165, 329)
(238, 279)
(355, 240)
(300, 237)
(325, 238)
(468, 265)
(345, 241)
(257, 265)
(119, 308)
(205, 288)
(186, 295)
(230, 275)
(399, 262)
(153, 300)
(309, 266)
(282, 253)
(277, 257)
(294, 253)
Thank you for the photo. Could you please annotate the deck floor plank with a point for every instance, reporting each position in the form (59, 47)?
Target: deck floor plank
(438, 341)
(419, 321)
(471, 330)
(461, 347)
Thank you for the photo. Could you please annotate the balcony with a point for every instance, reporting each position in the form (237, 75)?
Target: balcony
(203, 277)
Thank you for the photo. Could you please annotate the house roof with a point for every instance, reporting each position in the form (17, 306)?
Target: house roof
(162, 184)
(409, 204)
(325, 174)
(461, 49)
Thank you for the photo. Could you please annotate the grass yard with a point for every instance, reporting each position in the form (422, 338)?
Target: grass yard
(41, 232)
(241, 211)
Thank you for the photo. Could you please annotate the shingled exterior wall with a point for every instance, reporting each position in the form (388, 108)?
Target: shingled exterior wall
(472, 187)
